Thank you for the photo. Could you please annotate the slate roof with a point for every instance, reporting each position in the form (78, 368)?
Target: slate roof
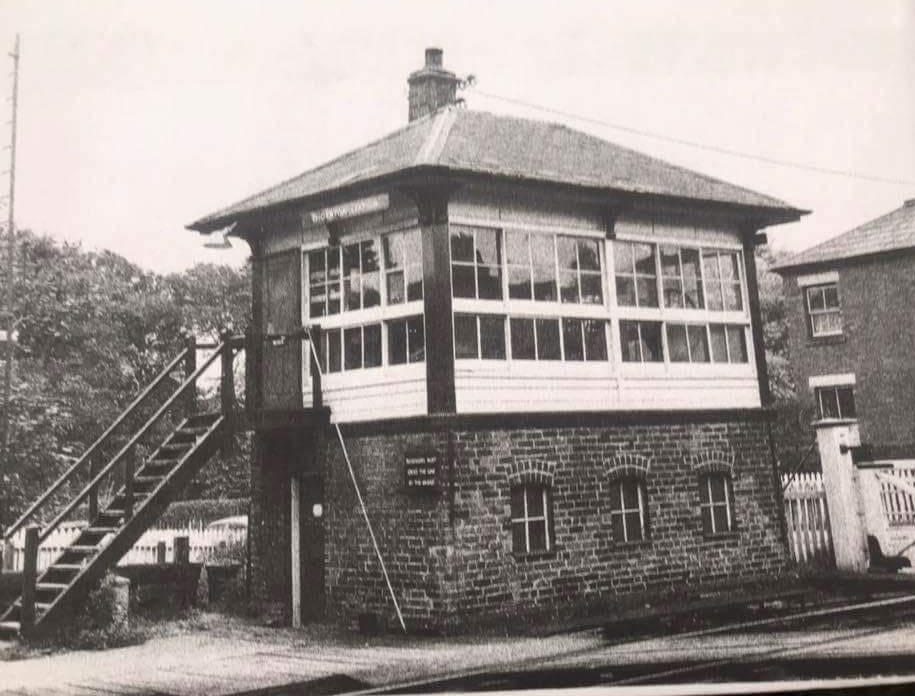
(895, 230)
(482, 143)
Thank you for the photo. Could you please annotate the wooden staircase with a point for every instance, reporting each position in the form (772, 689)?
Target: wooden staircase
(140, 497)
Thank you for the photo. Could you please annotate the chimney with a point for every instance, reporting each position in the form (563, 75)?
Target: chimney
(432, 87)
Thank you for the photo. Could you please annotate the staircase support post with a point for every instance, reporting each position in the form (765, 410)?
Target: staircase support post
(93, 494)
(29, 578)
(190, 365)
(227, 392)
(128, 487)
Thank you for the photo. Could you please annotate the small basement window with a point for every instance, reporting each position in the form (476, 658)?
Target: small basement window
(531, 510)
(823, 310)
(835, 402)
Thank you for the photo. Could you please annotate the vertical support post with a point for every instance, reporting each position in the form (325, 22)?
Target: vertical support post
(182, 550)
(29, 576)
(183, 559)
(295, 550)
(93, 494)
(842, 497)
(227, 382)
(160, 553)
(190, 365)
(875, 520)
(314, 337)
(128, 487)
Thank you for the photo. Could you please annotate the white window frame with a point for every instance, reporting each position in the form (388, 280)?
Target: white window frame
(623, 511)
(711, 505)
(811, 313)
(526, 518)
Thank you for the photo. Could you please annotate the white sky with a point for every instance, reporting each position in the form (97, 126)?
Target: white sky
(136, 118)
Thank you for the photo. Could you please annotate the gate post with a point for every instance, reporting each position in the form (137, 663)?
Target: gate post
(875, 521)
(843, 500)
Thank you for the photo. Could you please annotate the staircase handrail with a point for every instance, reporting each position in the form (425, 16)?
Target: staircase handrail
(93, 448)
(188, 382)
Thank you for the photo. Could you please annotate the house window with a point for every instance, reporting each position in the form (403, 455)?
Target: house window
(729, 343)
(723, 286)
(476, 263)
(531, 266)
(628, 518)
(716, 498)
(361, 276)
(687, 343)
(579, 270)
(681, 278)
(362, 346)
(584, 339)
(823, 310)
(406, 340)
(835, 402)
(531, 513)
(641, 341)
(403, 265)
(331, 351)
(636, 274)
(324, 282)
(479, 337)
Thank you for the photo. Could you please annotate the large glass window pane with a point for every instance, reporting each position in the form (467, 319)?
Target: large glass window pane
(588, 255)
(652, 349)
(351, 263)
(548, 347)
(517, 252)
(566, 252)
(519, 283)
(395, 287)
(568, 286)
(732, 297)
(414, 282)
(676, 343)
(492, 338)
(352, 348)
(670, 262)
(698, 344)
(416, 338)
(673, 292)
(522, 339)
(625, 291)
(829, 403)
(545, 283)
(648, 292)
(392, 245)
(815, 299)
(352, 290)
(462, 278)
(316, 267)
(333, 350)
(488, 252)
(622, 257)
(595, 340)
(372, 345)
(737, 344)
(461, 245)
(644, 256)
(489, 281)
(534, 500)
(720, 513)
(371, 290)
(692, 279)
(592, 291)
(465, 336)
(630, 342)
(333, 297)
(719, 343)
(397, 342)
(573, 343)
(317, 301)
(537, 530)
(831, 297)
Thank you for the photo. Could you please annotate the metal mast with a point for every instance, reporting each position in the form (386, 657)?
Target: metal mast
(7, 315)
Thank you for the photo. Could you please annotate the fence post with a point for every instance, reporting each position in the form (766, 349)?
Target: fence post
(160, 553)
(93, 494)
(29, 576)
(190, 365)
(183, 560)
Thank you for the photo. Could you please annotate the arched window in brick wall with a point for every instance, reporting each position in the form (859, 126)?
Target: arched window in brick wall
(532, 507)
(628, 498)
(715, 472)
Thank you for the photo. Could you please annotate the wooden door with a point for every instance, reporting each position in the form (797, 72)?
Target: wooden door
(311, 546)
(282, 311)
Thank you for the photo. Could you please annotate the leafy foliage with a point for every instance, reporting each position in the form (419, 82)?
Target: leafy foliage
(94, 329)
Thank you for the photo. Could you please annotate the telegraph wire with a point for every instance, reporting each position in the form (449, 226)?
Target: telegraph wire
(468, 85)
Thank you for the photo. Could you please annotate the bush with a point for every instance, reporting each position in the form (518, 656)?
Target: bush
(185, 513)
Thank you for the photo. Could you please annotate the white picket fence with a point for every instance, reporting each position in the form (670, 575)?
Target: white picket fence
(809, 535)
(899, 505)
(203, 543)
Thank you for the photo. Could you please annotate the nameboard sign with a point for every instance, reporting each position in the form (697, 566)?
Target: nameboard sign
(362, 206)
(421, 471)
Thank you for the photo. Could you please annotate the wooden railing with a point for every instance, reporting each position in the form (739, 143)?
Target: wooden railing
(226, 349)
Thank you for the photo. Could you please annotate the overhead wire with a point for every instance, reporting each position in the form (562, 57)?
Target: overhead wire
(692, 143)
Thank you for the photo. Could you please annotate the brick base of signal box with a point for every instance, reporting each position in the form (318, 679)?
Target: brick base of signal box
(449, 552)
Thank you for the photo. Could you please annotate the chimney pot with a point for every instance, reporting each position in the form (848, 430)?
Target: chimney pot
(434, 58)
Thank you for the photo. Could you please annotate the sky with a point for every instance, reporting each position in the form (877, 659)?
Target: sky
(137, 118)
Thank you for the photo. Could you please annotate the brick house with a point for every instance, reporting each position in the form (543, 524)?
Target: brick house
(543, 352)
(851, 343)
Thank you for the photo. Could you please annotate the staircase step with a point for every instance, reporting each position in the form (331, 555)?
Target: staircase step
(147, 479)
(65, 567)
(78, 548)
(197, 432)
(51, 586)
(100, 530)
(111, 512)
(177, 447)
